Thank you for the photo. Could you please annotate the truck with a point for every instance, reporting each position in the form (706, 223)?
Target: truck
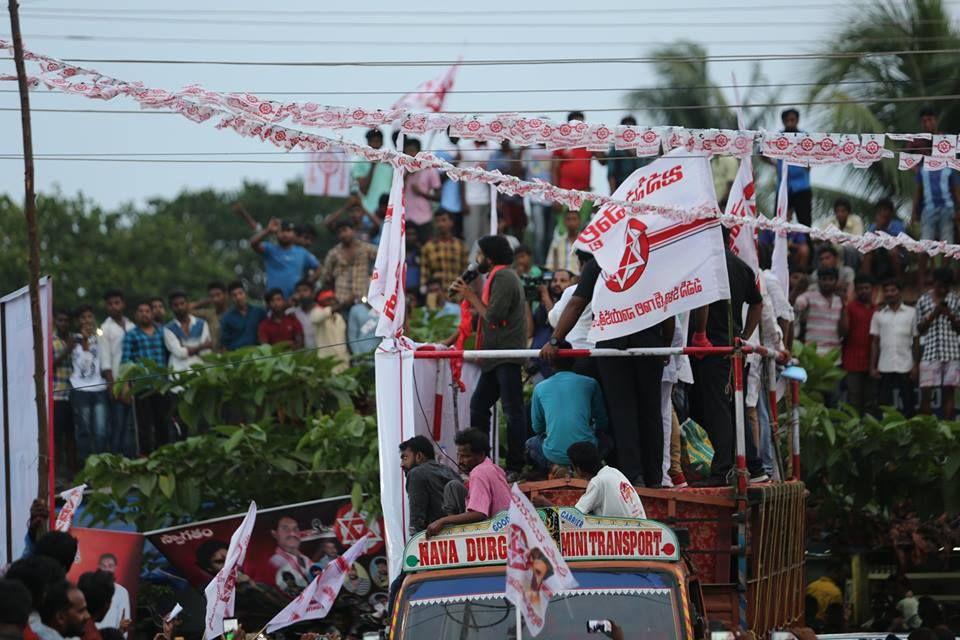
(671, 575)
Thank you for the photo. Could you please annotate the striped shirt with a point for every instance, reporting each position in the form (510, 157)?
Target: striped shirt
(821, 319)
(937, 187)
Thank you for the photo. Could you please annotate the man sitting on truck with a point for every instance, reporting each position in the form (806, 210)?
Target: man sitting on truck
(608, 493)
(487, 492)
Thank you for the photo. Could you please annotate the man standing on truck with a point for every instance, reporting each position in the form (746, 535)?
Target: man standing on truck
(488, 493)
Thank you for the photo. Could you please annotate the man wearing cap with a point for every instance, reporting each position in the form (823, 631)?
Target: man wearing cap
(329, 328)
(502, 324)
(286, 262)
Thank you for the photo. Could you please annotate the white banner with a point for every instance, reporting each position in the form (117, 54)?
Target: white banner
(655, 267)
(742, 202)
(536, 569)
(72, 499)
(779, 262)
(315, 601)
(327, 174)
(19, 427)
(221, 592)
(436, 414)
(386, 292)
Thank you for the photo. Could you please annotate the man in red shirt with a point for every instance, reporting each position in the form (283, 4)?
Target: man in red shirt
(278, 326)
(571, 167)
(855, 331)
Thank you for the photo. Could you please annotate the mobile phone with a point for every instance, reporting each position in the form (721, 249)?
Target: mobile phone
(230, 627)
(599, 626)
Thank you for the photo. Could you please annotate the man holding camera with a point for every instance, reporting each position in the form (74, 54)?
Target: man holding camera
(502, 324)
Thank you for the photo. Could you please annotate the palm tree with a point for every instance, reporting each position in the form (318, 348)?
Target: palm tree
(886, 92)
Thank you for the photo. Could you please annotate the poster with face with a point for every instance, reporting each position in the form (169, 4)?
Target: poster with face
(116, 552)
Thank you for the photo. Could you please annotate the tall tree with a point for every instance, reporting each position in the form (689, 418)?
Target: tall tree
(886, 92)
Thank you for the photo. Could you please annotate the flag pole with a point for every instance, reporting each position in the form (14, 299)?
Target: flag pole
(44, 486)
(519, 622)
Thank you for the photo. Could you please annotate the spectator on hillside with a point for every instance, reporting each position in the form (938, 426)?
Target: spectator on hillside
(114, 328)
(365, 222)
(159, 310)
(855, 321)
(412, 264)
(305, 235)
(929, 123)
(63, 427)
(98, 589)
(346, 269)
(421, 190)
(502, 325)
(622, 162)
(938, 322)
(799, 283)
(452, 191)
(571, 167)
(437, 299)
(507, 161)
(144, 343)
(523, 263)
(59, 546)
(560, 255)
(895, 348)
(218, 302)
(63, 612)
(885, 263)
(304, 303)
(476, 224)
(36, 573)
(88, 395)
(486, 492)
(286, 262)
(829, 258)
(119, 614)
(799, 192)
(609, 492)
(818, 313)
(578, 336)
(444, 256)
(373, 178)
(279, 327)
(843, 219)
(362, 328)
(936, 205)
(538, 165)
(239, 325)
(15, 608)
(329, 328)
(565, 408)
(186, 337)
(426, 480)
(826, 590)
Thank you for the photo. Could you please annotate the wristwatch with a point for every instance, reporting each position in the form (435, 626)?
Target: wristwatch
(554, 341)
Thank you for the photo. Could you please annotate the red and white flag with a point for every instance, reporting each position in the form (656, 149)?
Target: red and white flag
(327, 174)
(386, 292)
(536, 570)
(429, 95)
(222, 589)
(778, 262)
(315, 601)
(655, 266)
(72, 499)
(742, 202)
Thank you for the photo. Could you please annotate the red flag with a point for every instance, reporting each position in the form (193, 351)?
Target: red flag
(73, 497)
(430, 95)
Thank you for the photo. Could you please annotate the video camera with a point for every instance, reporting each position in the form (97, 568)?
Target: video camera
(531, 285)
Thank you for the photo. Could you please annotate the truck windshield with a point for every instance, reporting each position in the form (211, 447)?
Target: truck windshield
(473, 607)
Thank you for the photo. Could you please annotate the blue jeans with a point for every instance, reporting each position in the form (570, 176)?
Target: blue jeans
(534, 449)
(937, 224)
(122, 435)
(91, 423)
(767, 452)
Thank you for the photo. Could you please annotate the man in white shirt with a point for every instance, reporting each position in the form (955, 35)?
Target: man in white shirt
(186, 337)
(302, 310)
(114, 328)
(119, 614)
(578, 335)
(88, 389)
(608, 493)
(286, 558)
(895, 349)
(476, 223)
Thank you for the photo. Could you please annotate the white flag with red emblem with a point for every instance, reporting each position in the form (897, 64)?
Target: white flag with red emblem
(221, 591)
(327, 174)
(72, 499)
(779, 262)
(654, 266)
(429, 95)
(742, 202)
(315, 601)
(536, 570)
(386, 292)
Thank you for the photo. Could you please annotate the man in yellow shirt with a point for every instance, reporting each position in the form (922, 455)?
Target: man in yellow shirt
(826, 592)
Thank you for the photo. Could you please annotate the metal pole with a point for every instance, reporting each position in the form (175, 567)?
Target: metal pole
(519, 623)
(795, 427)
(742, 474)
(30, 213)
(774, 417)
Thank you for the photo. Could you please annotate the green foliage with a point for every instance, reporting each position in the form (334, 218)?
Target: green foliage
(285, 429)
(183, 243)
(429, 326)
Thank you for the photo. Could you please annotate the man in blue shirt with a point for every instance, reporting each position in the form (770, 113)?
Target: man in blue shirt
(286, 262)
(935, 206)
(153, 410)
(238, 326)
(799, 193)
(566, 408)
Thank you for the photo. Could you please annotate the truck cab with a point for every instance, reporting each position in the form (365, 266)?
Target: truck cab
(629, 571)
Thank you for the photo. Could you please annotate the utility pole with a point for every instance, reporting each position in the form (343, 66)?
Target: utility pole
(30, 212)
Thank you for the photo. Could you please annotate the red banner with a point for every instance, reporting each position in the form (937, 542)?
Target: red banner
(119, 552)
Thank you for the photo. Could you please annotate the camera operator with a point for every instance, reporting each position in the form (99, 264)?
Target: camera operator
(550, 288)
(502, 324)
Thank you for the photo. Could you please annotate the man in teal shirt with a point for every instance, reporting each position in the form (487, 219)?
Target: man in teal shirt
(566, 408)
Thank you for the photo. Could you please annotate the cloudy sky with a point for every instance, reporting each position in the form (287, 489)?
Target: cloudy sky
(301, 31)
